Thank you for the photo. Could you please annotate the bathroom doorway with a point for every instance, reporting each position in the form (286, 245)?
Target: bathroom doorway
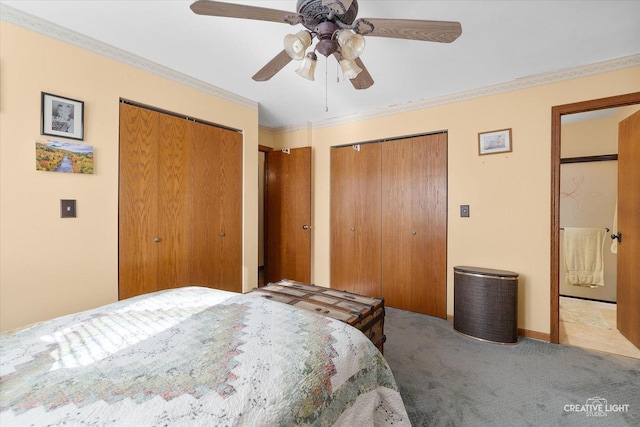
(584, 181)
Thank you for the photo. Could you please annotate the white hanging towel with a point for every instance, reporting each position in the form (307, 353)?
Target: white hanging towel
(583, 256)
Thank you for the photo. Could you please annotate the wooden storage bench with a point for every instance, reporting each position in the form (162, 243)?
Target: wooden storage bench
(364, 313)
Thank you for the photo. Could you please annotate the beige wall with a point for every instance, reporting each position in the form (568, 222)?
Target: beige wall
(590, 137)
(51, 266)
(509, 194)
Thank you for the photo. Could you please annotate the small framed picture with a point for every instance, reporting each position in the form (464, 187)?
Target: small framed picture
(62, 117)
(497, 141)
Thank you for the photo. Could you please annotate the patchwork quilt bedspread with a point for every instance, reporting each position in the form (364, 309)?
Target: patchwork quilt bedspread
(195, 356)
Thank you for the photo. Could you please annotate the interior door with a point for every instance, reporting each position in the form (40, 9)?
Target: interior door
(288, 215)
(628, 298)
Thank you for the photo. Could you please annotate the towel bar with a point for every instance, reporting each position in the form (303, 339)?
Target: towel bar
(606, 228)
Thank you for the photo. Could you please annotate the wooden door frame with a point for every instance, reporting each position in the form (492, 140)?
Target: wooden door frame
(556, 128)
(264, 149)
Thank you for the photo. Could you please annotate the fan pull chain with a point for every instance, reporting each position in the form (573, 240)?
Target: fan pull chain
(326, 85)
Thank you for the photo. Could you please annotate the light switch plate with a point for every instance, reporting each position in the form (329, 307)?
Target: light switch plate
(67, 208)
(464, 211)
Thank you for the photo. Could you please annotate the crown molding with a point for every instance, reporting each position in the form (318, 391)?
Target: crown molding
(300, 126)
(47, 28)
(518, 84)
(267, 130)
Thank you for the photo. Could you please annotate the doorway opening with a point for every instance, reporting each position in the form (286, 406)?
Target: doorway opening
(557, 266)
(262, 158)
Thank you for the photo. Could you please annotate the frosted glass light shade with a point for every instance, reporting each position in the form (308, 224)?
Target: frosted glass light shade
(349, 68)
(351, 44)
(297, 44)
(308, 67)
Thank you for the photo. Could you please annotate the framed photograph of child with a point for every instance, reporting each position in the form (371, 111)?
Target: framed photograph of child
(62, 117)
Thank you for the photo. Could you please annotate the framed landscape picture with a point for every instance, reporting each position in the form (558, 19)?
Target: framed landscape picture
(497, 141)
(62, 116)
(64, 156)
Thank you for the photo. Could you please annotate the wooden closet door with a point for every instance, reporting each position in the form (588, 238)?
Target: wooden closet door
(154, 204)
(217, 208)
(414, 200)
(138, 201)
(356, 219)
(429, 218)
(397, 223)
(174, 202)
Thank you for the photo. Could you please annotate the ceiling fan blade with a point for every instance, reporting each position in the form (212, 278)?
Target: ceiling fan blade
(272, 67)
(364, 79)
(411, 29)
(230, 10)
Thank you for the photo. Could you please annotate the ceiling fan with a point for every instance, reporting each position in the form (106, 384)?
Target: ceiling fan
(333, 23)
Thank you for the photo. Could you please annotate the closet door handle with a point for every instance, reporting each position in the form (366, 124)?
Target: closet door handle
(353, 229)
(221, 234)
(414, 232)
(156, 239)
(617, 237)
(306, 227)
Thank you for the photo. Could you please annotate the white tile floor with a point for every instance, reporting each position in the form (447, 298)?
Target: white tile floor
(594, 338)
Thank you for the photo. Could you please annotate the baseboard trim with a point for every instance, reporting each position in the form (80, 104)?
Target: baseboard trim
(521, 332)
(534, 335)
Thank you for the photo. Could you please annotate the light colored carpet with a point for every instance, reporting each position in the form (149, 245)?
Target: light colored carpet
(576, 311)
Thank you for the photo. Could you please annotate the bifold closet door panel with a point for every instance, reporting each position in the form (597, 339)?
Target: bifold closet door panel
(138, 201)
(231, 209)
(397, 223)
(414, 224)
(342, 219)
(356, 219)
(216, 238)
(429, 213)
(154, 201)
(174, 202)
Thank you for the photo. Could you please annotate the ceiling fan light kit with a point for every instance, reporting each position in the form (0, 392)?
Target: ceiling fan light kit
(297, 44)
(351, 44)
(308, 67)
(349, 68)
(333, 23)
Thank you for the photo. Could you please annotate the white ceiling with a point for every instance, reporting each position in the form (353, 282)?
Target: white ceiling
(501, 41)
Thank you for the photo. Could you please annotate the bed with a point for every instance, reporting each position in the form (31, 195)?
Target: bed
(195, 356)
